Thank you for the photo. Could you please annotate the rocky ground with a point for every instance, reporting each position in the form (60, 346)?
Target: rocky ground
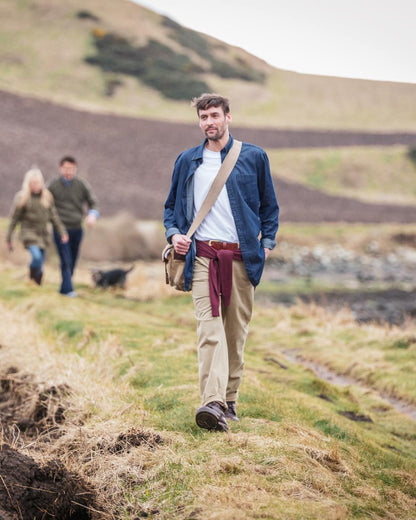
(376, 287)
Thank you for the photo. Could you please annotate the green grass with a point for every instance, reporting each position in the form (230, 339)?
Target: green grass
(292, 456)
(375, 174)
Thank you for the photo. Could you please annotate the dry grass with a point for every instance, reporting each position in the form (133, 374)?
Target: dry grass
(280, 471)
(377, 356)
(129, 362)
(102, 423)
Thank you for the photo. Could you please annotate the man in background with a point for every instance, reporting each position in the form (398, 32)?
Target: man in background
(72, 196)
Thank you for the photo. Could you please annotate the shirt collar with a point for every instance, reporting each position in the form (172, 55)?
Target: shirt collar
(224, 151)
(66, 182)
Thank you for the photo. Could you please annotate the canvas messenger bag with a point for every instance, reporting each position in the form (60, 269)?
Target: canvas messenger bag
(174, 262)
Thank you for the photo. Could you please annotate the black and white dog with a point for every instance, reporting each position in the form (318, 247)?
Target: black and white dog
(111, 278)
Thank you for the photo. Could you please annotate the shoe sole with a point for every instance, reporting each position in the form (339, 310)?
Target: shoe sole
(209, 419)
(206, 418)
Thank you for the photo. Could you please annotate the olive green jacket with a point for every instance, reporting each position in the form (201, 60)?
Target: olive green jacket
(33, 218)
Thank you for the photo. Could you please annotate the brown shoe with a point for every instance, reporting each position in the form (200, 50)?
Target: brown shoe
(211, 417)
(231, 411)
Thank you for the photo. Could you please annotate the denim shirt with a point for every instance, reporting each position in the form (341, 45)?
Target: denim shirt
(252, 199)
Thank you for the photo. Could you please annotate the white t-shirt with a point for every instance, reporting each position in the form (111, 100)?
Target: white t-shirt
(219, 223)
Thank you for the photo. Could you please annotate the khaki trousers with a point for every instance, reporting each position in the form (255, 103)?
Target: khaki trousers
(221, 340)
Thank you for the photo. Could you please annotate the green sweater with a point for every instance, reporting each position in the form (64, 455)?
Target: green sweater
(33, 218)
(71, 199)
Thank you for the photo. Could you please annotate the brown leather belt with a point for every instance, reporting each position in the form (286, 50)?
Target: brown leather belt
(217, 245)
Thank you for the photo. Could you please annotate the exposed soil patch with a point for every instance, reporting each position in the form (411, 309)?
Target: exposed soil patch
(132, 439)
(357, 417)
(392, 306)
(34, 423)
(30, 491)
(129, 161)
(405, 239)
(30, 408)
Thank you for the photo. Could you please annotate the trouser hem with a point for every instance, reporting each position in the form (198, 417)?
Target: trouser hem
(216, 398)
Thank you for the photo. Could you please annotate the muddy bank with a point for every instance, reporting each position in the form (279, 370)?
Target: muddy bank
(30, 490)
(375, 286)
(392, 306)
(53, 465)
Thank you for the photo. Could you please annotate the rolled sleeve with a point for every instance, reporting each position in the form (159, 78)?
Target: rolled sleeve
(268, 243)
(170, 232)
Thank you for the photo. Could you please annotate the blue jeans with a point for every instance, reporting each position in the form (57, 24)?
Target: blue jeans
(38, 257)
(68, 255)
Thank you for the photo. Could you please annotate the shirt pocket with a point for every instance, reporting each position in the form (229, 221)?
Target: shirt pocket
(247, 183)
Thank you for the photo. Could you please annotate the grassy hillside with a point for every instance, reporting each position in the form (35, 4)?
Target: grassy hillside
(55, 50)
(304, 449)
(373, 174)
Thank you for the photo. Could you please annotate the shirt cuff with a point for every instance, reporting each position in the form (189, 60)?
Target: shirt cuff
(268, 243)
(170, 232)
(94, 212)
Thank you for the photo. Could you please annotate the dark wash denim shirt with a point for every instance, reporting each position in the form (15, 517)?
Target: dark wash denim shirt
(252, 199)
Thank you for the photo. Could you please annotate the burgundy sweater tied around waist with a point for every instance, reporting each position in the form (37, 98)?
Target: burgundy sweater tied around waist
(220, 273)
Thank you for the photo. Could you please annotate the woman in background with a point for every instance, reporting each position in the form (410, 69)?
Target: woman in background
(33, 208)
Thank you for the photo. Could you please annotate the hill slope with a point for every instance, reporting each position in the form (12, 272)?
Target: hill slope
(129, 161)
(58, 50)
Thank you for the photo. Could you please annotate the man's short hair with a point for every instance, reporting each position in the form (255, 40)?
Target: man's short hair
(206, 101)
(67, 158)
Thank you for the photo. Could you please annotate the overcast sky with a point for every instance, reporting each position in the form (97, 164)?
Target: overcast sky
(370, 39)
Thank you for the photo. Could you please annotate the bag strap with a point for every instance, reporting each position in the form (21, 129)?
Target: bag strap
(216, 187)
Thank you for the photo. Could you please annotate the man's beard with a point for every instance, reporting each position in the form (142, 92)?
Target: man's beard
(218, 135)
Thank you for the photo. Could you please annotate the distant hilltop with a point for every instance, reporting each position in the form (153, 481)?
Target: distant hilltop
(114, 56)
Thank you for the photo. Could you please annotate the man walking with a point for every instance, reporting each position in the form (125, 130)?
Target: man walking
(71, 194)
(225, 257)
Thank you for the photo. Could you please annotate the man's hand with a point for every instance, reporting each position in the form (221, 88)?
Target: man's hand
(181, 243)
(266, 253)
(64, 238)
(90, 219)
(9, 247)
